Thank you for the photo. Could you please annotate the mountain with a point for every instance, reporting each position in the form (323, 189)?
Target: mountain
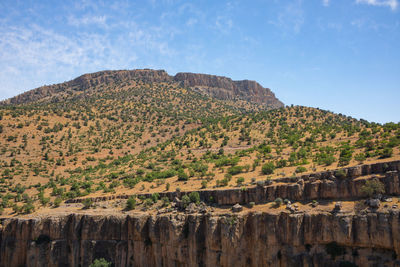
(188, 170)
(216, 86)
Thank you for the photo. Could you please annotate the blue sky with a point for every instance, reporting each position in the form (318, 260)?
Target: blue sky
(340, 55)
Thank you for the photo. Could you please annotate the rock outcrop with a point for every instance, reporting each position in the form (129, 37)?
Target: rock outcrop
(215, 86)
(336, 184)
(226, 89)
(253, 239)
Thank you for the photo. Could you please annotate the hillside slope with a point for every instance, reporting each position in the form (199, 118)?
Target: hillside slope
(143, 131)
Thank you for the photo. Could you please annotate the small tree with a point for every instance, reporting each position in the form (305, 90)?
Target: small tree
(268, 168)
(57, 202)
(131, 203)
(194, 197)
(87, 203)
(373, 187)
(185, 201)
(278, 201)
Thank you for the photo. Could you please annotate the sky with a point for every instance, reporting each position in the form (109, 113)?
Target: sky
(338, 55)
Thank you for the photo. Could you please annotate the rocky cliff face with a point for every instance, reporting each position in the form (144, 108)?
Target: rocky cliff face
(248, 238)
(87, 82)
(215, 86)
(336, 184)
(253, 239)
(224, 88)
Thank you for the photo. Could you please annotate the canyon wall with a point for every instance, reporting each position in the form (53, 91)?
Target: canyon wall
(253, 239)
(345, 183)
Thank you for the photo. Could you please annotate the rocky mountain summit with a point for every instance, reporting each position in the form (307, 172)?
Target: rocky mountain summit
(215, 86)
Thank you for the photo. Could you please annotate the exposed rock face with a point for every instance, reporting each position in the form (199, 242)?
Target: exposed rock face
(87, 81)
(224, 88)
(308, 187)
(215, 86)
(255, 239)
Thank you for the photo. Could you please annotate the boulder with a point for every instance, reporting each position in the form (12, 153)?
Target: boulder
(191, 208)
(237, 208)
(374, 203)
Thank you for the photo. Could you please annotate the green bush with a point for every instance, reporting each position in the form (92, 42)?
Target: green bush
(194, 197)
(100, 263)
(165, 201)
(28, 208)
(278, 201)
(185, 200)
(155, 197)
(235, 170)
(240, 181)
(268, 168)
(300, 169)
(131, 203)
(87, 203)
(372, 187)
(182, 176)
(57, 202)
(387, 152)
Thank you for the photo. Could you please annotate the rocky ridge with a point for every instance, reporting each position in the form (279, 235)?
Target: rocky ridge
(215, 86)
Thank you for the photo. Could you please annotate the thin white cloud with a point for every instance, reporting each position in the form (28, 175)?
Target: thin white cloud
(326, 2)
(223, 24)
(393, 4)
(87, 20)
(291, 18)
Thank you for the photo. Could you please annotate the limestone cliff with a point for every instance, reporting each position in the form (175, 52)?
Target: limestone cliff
(253, 239)
(224, 88)
(215, 86)
(336, 184)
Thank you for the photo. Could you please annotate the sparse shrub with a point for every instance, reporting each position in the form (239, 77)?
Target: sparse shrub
(100, 263)
(165, 201)
(300, 169)
(240, 181)
(341, 174)
(372, 187)
(131, 203)
(28, 208)
(155, 197)
(182, 176)
(387, 152)
(360, 157)
(235, 170)
(268, 168)
(185, 200)
(148, 202)
(194, 197)
(57, 202)
(278, 201)
(87, 203)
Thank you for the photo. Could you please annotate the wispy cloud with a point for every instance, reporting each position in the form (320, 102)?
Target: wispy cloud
(393, 4)
(87, 20)
(326, 2)
(291, 18)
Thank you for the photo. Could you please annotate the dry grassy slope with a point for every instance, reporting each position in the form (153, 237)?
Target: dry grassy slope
(139, 135)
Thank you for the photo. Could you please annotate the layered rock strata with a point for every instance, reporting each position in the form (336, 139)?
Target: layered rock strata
(336, 184)
(252, 239)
